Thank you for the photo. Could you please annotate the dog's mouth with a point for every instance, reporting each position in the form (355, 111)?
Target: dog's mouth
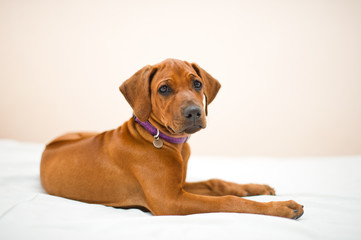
(193, 129)
(189, 129)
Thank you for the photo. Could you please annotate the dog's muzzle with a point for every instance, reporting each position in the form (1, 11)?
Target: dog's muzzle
(193, 121)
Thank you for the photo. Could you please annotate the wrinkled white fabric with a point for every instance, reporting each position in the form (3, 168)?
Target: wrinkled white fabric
(328, 187)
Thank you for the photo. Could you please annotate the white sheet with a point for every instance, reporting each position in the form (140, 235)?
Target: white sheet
(329, 188)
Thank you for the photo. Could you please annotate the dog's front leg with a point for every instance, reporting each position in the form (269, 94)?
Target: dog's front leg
(187, 203)
(216, 187)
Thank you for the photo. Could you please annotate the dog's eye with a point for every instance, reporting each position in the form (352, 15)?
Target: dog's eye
(197, 85)
(165, 90)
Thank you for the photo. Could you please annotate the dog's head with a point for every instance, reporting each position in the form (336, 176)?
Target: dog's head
(172, 93)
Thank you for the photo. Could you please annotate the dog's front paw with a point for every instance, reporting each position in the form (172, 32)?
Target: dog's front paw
(287, 209)
(257, 189)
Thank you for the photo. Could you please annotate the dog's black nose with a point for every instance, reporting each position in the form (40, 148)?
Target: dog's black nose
(192, 113)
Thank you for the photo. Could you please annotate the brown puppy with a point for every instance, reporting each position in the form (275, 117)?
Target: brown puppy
(144, 164)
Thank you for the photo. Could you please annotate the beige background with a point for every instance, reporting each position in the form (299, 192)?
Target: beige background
(290, 70)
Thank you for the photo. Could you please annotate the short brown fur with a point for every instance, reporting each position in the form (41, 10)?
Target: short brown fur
(122, 168)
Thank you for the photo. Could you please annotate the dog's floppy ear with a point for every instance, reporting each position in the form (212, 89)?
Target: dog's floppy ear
(211, 87)
(136, 91)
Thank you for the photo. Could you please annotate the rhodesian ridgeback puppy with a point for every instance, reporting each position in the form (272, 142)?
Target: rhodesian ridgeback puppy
(143, 163)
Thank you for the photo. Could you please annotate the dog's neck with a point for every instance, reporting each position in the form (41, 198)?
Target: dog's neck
(157, 133)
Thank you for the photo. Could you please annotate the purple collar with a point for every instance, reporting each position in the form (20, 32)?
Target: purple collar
(153, 130)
